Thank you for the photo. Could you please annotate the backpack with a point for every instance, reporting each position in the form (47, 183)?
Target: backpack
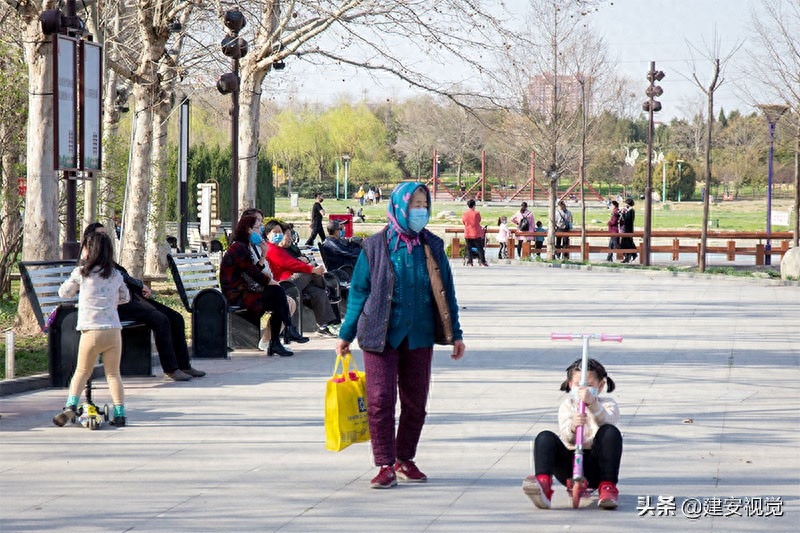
(524, 224)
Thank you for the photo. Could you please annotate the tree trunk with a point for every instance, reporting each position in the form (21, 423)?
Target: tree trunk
(157, 248)
(10, 224)
(249, 129)
(105, 186)
(137, 191)
(105, 196)
(707, 193)
(551, 220)
(147, 95)
(40, 240)
(796, 207)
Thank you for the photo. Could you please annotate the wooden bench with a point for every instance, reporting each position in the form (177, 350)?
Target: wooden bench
(215, 324)
(58, 318)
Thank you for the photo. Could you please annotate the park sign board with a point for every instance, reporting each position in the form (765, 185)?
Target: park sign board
(65, 102)
(91, 108)
(77, 103)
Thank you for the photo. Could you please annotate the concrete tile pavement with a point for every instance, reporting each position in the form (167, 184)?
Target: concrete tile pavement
(243, 448)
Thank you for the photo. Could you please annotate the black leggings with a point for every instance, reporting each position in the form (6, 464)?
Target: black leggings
(477, 245)
(601, 463)
(168, 329)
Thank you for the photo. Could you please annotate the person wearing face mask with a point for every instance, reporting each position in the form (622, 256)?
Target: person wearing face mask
(244, 284)
(337, 251)
(258, 250)
(307, 277)
(401, 301)
(602, 442)
(317, 212)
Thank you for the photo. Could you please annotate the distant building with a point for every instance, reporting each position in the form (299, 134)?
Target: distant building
(540, 93)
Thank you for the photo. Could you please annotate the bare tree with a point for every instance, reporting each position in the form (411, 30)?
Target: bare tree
(711, 52)
(545, 93)
(416, 139)
(374, 35)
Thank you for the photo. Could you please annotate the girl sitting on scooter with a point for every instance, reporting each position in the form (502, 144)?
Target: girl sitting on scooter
(553, 454)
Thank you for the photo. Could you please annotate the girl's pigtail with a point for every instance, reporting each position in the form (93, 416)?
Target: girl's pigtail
(610, 386)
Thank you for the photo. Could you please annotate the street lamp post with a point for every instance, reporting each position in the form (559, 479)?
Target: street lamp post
(664, 183)
(337, 180)
(346, 159)
(773, 113)
(651, 105)
(236, 48)
(680, 177)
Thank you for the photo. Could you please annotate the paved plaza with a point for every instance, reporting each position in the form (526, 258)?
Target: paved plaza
(708, 383)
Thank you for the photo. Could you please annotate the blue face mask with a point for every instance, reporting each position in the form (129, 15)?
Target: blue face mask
(275, 238)
(417, 219)
(574, 392)
(255, 238)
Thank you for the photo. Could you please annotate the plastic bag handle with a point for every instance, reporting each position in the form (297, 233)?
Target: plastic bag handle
(347, 361)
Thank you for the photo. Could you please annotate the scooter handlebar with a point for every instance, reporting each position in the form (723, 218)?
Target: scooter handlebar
(570, 336)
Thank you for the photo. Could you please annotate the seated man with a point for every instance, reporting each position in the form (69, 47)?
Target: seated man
(308, 278)
(167, 324)
(337, 250)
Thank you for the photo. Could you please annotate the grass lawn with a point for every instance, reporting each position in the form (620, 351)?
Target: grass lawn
(740, 215)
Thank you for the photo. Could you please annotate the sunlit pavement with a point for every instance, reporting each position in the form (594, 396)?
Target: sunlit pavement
(708, 383)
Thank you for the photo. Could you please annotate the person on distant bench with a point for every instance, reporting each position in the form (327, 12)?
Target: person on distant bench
(168, 326)
(339, 251)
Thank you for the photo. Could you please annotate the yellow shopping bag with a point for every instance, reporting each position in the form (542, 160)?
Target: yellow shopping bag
(345, 406)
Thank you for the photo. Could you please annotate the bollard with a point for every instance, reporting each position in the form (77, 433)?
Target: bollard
(9, 354)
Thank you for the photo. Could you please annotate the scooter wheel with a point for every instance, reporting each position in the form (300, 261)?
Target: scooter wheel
(92, 423)
(105, 413)
(577, 491)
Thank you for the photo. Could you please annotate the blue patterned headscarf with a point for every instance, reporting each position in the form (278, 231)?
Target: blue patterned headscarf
(398, 213)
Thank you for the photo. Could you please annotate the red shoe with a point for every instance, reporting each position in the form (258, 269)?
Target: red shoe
(609, 495)
(539, 489)
(407, 471)
(385, 479)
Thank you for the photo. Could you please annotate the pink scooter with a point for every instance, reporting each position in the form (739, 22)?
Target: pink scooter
(579, 484)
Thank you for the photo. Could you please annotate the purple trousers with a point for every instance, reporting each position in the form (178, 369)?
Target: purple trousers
(408, 371)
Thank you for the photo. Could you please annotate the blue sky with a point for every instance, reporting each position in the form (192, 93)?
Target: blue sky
(636, 31)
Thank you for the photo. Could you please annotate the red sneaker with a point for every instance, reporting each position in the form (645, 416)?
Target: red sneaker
(385, 479)
(539, 489)
(407, 471)
(609, 495)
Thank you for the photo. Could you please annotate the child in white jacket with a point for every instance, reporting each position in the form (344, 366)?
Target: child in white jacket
(100, 290)
(554, 454)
